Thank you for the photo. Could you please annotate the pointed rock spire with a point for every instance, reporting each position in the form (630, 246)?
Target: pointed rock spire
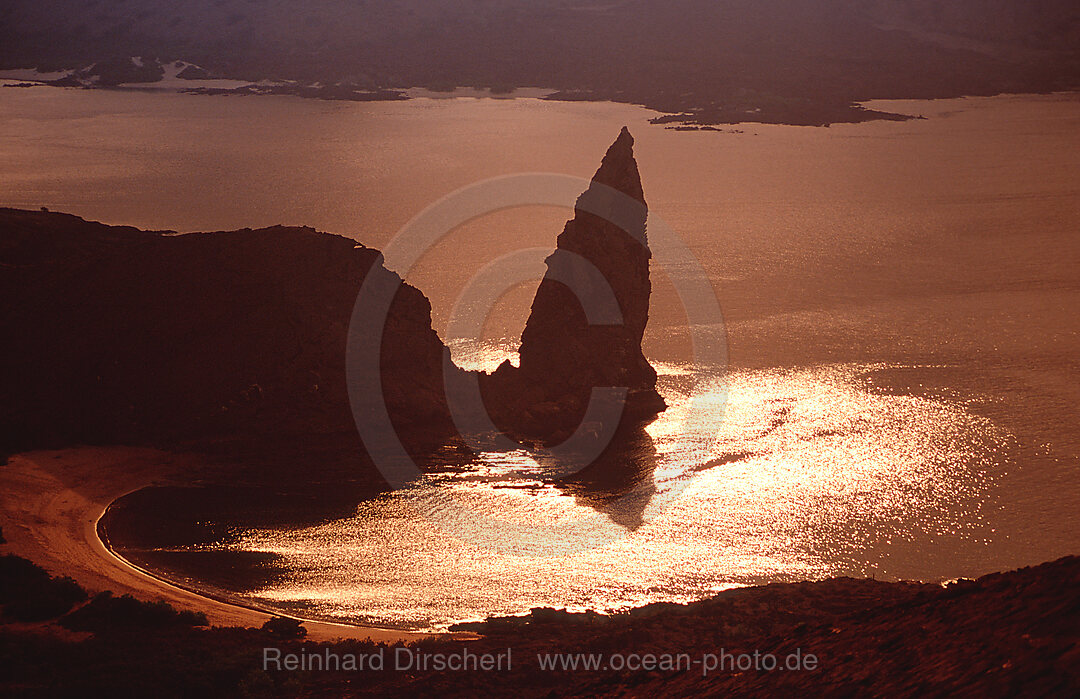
(588, 336)
(619, 170)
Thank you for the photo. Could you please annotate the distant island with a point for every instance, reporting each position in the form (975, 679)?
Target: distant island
(697, 62)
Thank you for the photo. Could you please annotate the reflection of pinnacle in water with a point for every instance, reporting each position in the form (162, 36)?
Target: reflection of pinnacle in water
(809, 474)
(620, 482)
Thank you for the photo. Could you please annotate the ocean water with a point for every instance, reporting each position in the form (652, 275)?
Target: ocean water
(896, 393)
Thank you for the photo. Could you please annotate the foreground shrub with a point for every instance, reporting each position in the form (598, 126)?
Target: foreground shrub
(106, 612)
(284, 627)
(28, 593)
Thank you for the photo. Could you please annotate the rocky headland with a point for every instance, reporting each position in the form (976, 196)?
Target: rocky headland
(233, 343)
(229, 343)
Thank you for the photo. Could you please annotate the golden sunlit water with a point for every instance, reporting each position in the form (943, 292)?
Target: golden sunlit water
(900, 302)
(798, 474)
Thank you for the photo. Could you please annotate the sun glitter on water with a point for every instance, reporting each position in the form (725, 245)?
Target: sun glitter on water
(803, 474)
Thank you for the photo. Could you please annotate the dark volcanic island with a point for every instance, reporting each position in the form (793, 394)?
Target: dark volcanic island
(695, 62)
(233, 343)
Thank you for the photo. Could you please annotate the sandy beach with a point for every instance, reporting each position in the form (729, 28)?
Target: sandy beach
(50, 504)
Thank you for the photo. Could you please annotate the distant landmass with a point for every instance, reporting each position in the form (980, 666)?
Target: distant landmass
(699, 62)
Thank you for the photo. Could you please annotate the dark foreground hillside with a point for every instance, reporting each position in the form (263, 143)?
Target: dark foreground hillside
(1006, 634)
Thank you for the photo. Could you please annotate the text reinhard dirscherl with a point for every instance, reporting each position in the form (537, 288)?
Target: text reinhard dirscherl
(405, 659)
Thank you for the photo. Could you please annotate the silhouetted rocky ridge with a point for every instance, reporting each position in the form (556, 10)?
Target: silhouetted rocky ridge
(234, 342)
(1002, 635)
(230, 342)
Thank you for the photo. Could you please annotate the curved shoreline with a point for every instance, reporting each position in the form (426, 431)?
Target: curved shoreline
(102, 534)
(52, 505)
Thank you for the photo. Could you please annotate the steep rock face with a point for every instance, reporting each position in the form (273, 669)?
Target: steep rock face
(603, 252)
(232, 340)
